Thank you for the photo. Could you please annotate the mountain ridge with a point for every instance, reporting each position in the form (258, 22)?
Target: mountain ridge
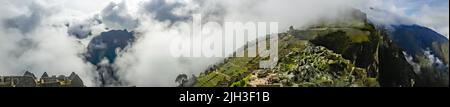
(379, 59)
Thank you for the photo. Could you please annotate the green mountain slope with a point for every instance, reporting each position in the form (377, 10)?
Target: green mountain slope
(345, 53)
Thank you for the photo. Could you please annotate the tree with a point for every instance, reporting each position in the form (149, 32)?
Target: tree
(181, 79)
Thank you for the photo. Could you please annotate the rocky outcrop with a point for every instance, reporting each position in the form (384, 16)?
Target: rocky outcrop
(315, 66)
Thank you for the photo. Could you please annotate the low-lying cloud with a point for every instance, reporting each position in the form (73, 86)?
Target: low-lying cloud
(429, 13)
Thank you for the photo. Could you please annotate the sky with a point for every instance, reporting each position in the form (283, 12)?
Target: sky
(429, 13)
(40, 35)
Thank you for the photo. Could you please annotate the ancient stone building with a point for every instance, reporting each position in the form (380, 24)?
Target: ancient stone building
(29, 80)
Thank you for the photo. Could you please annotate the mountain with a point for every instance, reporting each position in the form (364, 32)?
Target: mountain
(416, 39)
(426, 49)
(106, 46)
(346, 53)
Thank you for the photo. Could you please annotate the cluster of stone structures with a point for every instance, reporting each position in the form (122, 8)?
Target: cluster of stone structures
(29, 80)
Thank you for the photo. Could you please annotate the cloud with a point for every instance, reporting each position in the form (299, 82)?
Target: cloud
(31, 40)
(149, 62)
(164, 10)
(116, 16)
(430, 13)
(28, 21)
(436, 18)
(415, 66)
(83, 29)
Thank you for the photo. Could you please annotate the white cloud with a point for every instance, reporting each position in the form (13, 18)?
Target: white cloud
(429, 13)
(117, 16)
(33, 40)
(437, 18)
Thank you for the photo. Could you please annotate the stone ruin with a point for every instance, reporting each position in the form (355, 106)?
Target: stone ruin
(30, 80)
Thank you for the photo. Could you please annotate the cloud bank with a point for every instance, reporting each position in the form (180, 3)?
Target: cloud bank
(433, 14)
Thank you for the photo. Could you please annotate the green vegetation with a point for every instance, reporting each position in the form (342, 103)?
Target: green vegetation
(340, 54)
(301, 64)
